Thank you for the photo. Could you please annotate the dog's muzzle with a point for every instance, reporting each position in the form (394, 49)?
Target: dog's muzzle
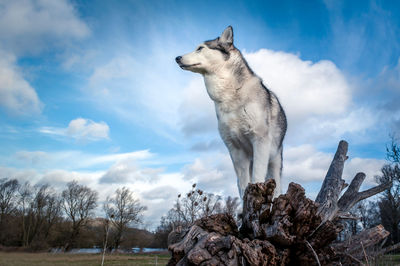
(178, 59)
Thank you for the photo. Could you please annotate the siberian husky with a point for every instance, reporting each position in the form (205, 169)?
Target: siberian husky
(251, 121)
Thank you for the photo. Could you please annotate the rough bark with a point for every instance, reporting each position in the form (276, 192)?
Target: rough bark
(352, 196)
(288, 230)
(333, 184)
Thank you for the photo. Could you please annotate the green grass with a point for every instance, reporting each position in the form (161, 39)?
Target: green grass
(387, 260)
(47, 259)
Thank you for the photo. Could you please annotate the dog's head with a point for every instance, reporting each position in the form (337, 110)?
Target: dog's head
(209, 56)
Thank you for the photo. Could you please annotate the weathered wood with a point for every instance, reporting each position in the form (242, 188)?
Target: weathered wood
(352, 196)
(368, 238)
(288, 230)
(348, 199)
(210, 246)
(270, 235)
(257, 202)
(333, 184)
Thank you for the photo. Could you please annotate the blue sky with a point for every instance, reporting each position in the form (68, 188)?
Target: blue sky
(89, 90)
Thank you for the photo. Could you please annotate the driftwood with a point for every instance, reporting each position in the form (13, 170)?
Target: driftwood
(288, 230)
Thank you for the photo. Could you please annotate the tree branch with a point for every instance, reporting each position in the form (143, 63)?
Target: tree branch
(333, 184)
(352, 196)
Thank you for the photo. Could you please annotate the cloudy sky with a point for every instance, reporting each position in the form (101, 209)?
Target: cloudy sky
(91, 91)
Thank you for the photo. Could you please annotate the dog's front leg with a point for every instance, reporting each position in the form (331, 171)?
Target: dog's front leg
(241, 163)
(275, 171)
(261, 154)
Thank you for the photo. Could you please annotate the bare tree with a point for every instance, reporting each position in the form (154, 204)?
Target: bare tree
(52, 213)
(122, 209)
(389, 202)
(393, 151)
(231, 206)
(8, 191)
(360, 220)
(188, 207)
(40, 206)
(211, 204)
(25, 200)
(8, 198)
(193, 205)
(78, 203)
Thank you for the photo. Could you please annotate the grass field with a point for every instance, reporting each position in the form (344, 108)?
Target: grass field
(47, 259)
(387, 260)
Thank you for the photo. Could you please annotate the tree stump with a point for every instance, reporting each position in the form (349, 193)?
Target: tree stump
(288, 230)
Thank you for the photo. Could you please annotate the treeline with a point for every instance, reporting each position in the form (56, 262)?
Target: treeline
(36, 217)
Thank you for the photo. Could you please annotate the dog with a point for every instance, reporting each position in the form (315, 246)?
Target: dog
(251, 120)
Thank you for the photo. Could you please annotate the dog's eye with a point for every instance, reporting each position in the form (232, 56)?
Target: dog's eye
(199, 49)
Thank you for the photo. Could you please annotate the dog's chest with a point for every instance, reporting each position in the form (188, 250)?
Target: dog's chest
(237, 117)
(222, 91)
(234, 125)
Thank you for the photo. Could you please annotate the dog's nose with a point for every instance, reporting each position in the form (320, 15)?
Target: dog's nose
(178, 59)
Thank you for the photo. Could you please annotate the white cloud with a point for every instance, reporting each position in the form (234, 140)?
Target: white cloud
(316, 96)
(304, 164)
(17, 96)
(161, 193)
(22, 175)
(197, 112)
(135, 155)
(159, 197)
(81, 129)
(213, 173)
(59, 178)
(86, 129)
(305, 88)
(78, 164)
(349, 125)
(127, 171)
(371, 167)
(28, 25)
(75, 160)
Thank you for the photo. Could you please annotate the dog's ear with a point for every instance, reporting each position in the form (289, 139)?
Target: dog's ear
(227, 36)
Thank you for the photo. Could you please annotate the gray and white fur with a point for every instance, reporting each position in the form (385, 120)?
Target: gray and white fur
(251, 121)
